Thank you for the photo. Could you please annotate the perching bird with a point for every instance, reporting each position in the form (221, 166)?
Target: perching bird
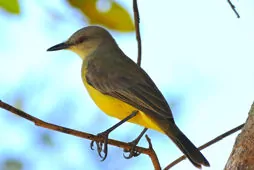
(119, 87)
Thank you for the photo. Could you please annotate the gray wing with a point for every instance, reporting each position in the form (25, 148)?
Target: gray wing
(128, 83)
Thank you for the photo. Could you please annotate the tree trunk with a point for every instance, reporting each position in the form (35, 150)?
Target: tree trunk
(242, 155)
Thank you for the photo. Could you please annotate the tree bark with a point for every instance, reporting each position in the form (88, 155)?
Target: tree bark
(242, 155)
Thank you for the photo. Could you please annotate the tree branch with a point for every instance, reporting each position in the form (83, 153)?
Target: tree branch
(213, 141)
(233, 8)
(152, 154)
(137, 21)
(38, 122)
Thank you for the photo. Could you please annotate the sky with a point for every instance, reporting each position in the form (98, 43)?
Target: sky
(197, 52)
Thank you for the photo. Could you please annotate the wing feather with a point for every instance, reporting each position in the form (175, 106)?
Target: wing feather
(132, 86)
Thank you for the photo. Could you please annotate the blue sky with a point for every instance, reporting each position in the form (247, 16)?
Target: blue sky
(198, 53)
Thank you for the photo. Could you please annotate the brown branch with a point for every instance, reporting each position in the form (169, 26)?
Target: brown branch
(233, 8)
(213, 141)
(137, 21)
(38, 122)
(153, 155)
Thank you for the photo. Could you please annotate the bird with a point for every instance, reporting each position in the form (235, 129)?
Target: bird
(120, 87)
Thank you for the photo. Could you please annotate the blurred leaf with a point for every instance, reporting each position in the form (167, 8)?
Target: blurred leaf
(12, 164)
(46, 139)
(18, 103)
(116, 17)
(12, 6)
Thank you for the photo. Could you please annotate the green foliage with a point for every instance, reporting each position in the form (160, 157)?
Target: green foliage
(12, 164)
(47, 139)
(11, 6)
(19, 103)
(116, 17)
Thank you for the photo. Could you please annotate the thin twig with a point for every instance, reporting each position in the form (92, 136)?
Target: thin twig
(233, 8)
(41, 123)
(153, 155)
(215, 140)
(137, 20)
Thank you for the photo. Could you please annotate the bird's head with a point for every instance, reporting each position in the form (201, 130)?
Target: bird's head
(84, 41)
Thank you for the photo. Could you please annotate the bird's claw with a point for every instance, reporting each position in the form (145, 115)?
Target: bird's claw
(132, 151)
(102, 146)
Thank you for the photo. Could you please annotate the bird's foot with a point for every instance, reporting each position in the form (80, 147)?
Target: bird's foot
(102, 146)
(132, 151)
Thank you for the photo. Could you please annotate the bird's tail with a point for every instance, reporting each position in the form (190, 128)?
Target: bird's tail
(186, 146)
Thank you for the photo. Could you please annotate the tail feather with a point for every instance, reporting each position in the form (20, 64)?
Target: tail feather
(186, 146)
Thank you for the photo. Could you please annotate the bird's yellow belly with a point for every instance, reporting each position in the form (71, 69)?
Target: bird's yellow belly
(118, 109)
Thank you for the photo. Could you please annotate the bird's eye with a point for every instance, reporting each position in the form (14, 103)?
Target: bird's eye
(81, 39)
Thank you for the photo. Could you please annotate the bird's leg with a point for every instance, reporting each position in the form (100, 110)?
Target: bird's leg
(132, 152)
(102, 146)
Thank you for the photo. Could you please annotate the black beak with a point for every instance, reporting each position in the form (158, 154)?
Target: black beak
(60, 46)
